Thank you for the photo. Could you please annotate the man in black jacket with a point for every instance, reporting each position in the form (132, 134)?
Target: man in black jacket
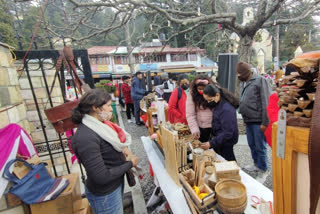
(254, 95)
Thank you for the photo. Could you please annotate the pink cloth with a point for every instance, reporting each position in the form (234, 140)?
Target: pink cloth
(13, 140)
(197, 118)
(69, 135)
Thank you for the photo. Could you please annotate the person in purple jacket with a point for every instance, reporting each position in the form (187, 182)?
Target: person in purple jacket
(224, 125)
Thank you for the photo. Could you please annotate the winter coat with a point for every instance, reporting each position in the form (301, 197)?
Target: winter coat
(273, 111)
(177, 108)
(126, 91)
(254, 97)
(224, 125)
(197, 117)
(104, 165)
(156, 81)
(137, 90)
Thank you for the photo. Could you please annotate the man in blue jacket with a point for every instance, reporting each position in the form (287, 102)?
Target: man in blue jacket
(137, 93)
(254, 96)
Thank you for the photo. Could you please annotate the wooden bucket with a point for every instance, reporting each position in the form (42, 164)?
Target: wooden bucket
(231, 193)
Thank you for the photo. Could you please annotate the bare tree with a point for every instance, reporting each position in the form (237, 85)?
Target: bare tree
(190, 14)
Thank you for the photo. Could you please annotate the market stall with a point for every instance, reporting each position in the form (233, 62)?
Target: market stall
(295, 139)
(174, 192)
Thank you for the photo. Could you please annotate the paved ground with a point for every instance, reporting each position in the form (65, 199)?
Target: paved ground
(242, 153)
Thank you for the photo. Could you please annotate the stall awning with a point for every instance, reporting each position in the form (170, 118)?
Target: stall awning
(207, 69)
(178, 68)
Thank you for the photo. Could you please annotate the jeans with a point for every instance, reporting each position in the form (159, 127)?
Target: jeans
(136, 108)
(106, 204)
(258, 145)
(129, 110)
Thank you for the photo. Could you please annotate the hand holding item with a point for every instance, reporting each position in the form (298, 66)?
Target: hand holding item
(263, 128)
(134, 159)
(205, 145)
(126, 152)
(196, 135)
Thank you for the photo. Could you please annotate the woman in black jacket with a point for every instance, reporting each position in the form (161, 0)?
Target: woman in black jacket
(102, 153)
(224, 125)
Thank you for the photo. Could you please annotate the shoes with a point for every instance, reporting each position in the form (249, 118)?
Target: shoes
(130, 121)
(251, 168)
(140, 123)
(262, 176)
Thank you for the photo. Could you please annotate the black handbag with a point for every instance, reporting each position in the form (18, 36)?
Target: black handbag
(130, 178)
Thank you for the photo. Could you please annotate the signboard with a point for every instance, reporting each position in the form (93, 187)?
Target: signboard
(148, 66)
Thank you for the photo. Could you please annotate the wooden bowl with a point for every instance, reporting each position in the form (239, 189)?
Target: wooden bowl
(231, 193)
(209, 170)
(314, 84)
(303, 103)
(280, 102)
(287, 99)
(294, 91)
(300, 82)
(292, 107)
(307, 112)
(237, 210)
(298, 113)
(311, 96)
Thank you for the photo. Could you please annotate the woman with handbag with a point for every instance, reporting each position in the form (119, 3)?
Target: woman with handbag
(102, 149)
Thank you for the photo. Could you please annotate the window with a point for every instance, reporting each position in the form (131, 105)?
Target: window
(121, 60)
(179, 57)
(193, 57)
(155, 58)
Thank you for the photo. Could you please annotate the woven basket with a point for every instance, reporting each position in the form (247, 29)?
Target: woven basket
(237, 210)
(231, 193)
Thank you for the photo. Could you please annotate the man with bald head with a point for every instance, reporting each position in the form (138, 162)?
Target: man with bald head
(254, 95)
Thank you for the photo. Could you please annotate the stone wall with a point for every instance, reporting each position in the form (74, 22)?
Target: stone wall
(17, 106)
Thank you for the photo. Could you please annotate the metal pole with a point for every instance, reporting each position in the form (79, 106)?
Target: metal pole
(277, 45)
(40, 117)
(51, 104)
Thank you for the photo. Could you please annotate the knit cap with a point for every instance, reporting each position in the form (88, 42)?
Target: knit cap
(244, 70)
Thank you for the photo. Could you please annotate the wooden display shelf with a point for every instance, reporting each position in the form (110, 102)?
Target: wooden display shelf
(285, 171)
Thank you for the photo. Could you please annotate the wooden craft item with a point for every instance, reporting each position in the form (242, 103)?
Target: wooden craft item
(226, 169)
(212, 181)
(207, 202)
(169, 148)
(231, 193)
(209, 170)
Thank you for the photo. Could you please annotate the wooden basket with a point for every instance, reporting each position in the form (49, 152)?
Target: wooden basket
(237, 210)
(231, 193)
(202, 205)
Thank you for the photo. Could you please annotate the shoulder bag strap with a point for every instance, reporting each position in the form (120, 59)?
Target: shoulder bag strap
(9, 175)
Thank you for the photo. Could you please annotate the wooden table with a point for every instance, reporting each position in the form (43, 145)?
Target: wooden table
(174, 194)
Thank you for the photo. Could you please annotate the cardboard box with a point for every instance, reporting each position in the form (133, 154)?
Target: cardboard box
(84, 207)
(66, 203)
(20, 170)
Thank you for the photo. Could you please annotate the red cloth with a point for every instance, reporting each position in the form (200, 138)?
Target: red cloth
(272, 110)
(177, 108)
(115, 127)
(126, 91)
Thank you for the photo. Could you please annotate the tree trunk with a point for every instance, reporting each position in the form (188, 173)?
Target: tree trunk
(244, 51)
(129, 48)
(244, 48)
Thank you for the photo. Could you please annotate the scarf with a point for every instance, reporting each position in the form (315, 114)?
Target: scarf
(107, 133)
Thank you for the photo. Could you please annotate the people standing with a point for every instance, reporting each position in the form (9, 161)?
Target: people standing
(126, 91)
(198, 110)
(137, 93)
(167, 87)
(177, 101)
(254, 95)
(156, 79)
(102, 152)
(224, 125)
